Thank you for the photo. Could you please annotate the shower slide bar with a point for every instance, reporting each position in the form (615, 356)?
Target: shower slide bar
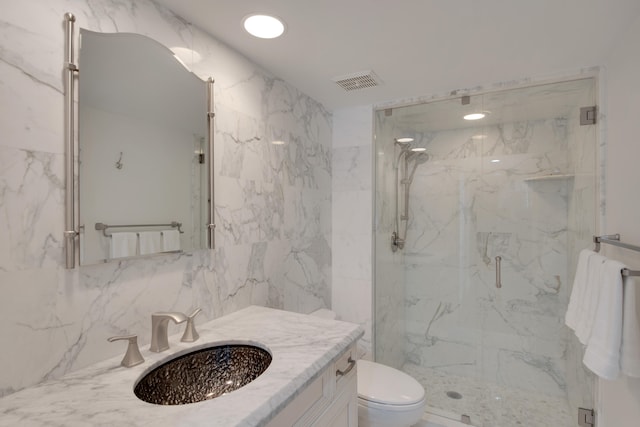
(614, 239)
(102, 226)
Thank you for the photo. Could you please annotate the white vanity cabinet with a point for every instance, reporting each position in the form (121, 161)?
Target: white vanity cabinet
(331, 400)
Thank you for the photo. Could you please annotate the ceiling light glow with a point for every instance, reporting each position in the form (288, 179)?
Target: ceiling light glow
(495, 161)
(418, 149)
(186, 55)
(263, 26)
(474, 116)
(407, 139)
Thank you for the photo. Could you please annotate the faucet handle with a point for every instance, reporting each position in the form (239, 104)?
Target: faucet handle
(190, 333)
(132, 357)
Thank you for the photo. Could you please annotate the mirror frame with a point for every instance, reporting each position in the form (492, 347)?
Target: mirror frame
(71, 231)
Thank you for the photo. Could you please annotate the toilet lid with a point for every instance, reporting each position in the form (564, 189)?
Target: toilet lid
(384, 384)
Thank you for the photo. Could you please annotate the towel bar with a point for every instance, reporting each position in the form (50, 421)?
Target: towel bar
(102, 226)
(614, 239)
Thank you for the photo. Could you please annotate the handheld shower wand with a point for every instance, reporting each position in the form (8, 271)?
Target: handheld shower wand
(404, 178)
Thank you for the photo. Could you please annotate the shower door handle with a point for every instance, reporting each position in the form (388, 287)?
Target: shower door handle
(498, 273)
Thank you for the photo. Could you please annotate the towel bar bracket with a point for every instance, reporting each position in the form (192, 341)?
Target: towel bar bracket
(614, 240)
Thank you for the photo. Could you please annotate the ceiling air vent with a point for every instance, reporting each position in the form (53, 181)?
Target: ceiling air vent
(360, 80)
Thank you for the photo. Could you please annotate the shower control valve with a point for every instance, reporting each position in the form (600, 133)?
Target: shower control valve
(396, 242)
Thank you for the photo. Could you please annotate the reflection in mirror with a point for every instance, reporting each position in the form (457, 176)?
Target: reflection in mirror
(142, 149)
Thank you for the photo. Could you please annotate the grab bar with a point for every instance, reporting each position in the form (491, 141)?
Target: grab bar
(498, 273)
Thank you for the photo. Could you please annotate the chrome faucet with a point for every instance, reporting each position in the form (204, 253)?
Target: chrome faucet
(159, 324)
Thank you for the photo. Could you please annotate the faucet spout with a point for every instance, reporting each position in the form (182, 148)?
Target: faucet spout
(159, 326)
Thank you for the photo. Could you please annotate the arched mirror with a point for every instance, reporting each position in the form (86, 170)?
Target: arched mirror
(143, 150)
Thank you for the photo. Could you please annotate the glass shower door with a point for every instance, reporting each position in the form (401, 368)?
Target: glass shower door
(509, 197)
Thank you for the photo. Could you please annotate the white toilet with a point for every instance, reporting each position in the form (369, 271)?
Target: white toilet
(387, 397)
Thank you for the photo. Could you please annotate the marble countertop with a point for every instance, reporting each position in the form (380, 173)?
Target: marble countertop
(302, 347)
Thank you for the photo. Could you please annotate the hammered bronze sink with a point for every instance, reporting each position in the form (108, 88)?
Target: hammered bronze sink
(203, 374)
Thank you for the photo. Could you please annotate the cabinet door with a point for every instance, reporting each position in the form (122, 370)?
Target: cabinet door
(306, 407)
(343, 411)
(329, 401)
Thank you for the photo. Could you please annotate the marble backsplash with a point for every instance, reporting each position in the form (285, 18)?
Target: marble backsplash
(272, 201)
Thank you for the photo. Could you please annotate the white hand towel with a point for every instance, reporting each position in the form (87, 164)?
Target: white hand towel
(170, 240)
(578, 290)
(602, 355)
(150, 242)
(630, 350)
(123, 245)
(588, 307)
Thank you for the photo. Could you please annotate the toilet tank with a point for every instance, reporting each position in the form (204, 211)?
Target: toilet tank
(325, 314)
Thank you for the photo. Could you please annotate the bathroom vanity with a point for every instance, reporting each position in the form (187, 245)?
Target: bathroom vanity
(311, 380)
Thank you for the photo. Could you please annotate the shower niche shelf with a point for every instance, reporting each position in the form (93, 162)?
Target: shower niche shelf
(555, 177)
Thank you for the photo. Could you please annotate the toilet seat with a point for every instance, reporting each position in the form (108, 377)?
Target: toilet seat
(392, 408)
(385, 387)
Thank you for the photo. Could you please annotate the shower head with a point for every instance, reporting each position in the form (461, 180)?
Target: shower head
(404, 143)
(417, 156)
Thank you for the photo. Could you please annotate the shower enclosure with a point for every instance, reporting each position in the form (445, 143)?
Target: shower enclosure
(472, 301)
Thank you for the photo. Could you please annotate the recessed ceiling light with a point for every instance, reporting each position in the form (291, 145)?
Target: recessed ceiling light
(418, 149)
(479, 137)
(263, 26)
(474, 116)
(278, 142)
(404, 139)
(495, 161)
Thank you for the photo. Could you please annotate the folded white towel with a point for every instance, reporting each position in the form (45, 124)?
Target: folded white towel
(170, 240)
(589, 305)
(602, 355)
(576, 300)
(150, 242)
(630, 350)
(123, 245)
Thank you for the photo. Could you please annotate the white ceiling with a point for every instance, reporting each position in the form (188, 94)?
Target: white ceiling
(417, 47)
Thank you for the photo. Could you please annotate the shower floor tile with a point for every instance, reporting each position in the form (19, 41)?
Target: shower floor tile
(490, 404)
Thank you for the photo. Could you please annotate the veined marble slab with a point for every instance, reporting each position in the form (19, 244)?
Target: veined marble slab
(302, 347)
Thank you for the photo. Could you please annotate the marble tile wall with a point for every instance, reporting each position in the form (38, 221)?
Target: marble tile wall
(272, 201)
(352, 218)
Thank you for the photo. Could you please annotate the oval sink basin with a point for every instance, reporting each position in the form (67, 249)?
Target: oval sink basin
(203, 374)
